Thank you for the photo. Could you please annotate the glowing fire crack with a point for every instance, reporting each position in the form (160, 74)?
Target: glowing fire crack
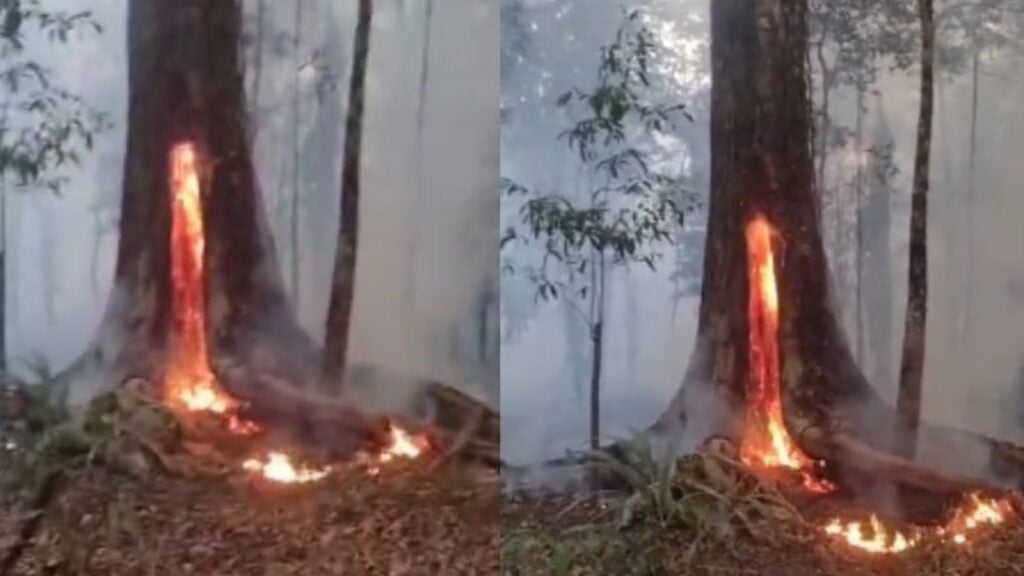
(190, 384)
(765, 442)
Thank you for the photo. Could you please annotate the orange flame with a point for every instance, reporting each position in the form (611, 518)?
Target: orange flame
(401, 445)
(974, 514)
(880, 540)
(278, 467)
(190, 384)
(766, 443)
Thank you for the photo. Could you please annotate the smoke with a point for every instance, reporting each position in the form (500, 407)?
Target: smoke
(971, 376)
(428, 244)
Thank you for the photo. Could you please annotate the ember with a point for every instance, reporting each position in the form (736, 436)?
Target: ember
(766, 443)
(278, 467)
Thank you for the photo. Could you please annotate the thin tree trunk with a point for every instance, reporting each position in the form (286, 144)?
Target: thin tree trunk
(424, 79)
(597, 354)
(3, 276)
(257, 80)
(339, 312)
(965, 330)
(826, 120)
(877, 259)
(414, 232)
(859, 214)
(296, 260)
(908, 404)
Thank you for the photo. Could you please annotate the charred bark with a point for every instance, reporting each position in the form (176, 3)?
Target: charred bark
(339, 313)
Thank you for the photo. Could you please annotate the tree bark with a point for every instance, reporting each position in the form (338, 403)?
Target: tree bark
(296, 199)
(762, 165)
(859, 215)
(908, 405)
(339, 314)
(186, 84)
(972, 163)
(598, 287)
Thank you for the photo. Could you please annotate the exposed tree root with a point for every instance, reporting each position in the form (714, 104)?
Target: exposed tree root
(318, 421)
(847, 452)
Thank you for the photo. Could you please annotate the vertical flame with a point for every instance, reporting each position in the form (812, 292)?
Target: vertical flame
(189, 384)
(765, 440)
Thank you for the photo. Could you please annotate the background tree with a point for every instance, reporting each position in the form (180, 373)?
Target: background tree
(912, 364)
(44, 128)
(630, 206)
(339, 313)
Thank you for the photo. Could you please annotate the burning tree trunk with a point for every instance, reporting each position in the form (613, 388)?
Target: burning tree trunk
(769, 346)
(761, 166)
(912, 365)
(339, 313)
(187, 156)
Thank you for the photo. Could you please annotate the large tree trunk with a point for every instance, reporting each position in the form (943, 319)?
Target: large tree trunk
(908, 403)
(186, 84)
(761, 165)
(339, 314)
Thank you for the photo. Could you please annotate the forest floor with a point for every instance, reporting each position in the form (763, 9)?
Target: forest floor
(560, 534)
(406, 520)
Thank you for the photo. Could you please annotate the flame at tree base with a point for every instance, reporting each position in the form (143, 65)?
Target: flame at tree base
(190, 387)
(765, 442)
(189, 384)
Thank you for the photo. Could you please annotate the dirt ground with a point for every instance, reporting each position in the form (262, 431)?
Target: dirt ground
(406, 520)
(551, 534)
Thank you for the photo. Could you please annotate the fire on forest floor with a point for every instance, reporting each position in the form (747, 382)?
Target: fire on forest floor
(406, 521)
(567, 534)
